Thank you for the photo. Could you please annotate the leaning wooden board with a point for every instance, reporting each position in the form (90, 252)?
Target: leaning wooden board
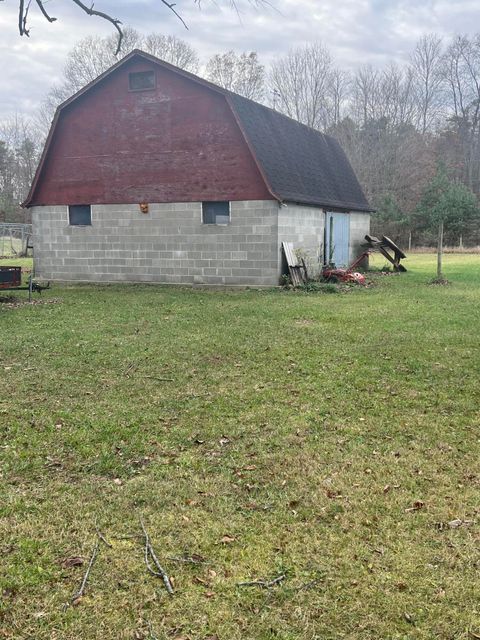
(298, 272)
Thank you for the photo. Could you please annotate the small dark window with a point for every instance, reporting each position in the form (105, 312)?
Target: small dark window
(141, 80)
(80, 214)
(216, 212)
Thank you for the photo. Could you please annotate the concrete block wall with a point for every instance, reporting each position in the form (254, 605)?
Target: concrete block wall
(303, 226)
(169, 244)
(359, 226)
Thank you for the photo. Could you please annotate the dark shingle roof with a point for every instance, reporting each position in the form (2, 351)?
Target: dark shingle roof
(299, 163)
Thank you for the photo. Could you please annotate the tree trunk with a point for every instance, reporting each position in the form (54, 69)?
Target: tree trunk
(410, 241)
(440, 251)
(460, 243)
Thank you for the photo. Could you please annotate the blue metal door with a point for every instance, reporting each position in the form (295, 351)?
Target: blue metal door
(337, 238)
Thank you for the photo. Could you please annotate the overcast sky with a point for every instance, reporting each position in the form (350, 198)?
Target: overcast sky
(355, 31)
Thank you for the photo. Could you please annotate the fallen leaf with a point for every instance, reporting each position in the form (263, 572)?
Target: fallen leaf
(75, 561)
(195, 557)
(52, 462)
(408, 618)
(227, 539)
(333, 494)
(386, 488)
(118, 482)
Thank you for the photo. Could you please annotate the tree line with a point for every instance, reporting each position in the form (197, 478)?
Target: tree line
(401, 125)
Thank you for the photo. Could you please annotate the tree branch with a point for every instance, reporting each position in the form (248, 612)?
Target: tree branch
(264, 584)
(44, 12)
(93, 12)
(89, 10)
(171, 6)
(78, 594)
(22, 18)
(160, 571)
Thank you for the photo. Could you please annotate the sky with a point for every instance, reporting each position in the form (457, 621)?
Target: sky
(355, 31)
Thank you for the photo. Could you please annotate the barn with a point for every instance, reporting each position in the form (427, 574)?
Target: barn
(152, 174)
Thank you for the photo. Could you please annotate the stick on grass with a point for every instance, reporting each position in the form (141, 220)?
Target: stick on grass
(159, 572)
(78, 594)
(264, 584)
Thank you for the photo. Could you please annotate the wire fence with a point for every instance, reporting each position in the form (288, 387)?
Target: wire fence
(15, 239)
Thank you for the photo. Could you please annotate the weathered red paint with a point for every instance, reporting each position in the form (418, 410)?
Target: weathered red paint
(177, 143)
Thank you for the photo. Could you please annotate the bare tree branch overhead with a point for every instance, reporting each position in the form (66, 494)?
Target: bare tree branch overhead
(24, 8)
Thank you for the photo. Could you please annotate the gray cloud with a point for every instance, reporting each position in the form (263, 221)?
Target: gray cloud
(355, 31)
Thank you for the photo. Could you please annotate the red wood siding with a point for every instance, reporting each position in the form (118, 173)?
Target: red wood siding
(177, 143)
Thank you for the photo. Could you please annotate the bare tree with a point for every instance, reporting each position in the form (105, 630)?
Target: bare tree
(243, 74)
(301, 82)
(426, 66)
(462, 73)
(173, 50)
(366, 94)
(337, 97)
(396, 96)
(19, 151)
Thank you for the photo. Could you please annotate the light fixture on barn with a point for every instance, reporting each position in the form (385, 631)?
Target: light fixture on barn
(143, 207)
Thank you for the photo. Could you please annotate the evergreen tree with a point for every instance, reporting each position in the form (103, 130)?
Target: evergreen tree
(446, 204)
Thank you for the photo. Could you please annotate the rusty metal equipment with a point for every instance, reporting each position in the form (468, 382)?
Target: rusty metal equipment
(383, 246)
(332, 274)
(11, 280)
(10, 277)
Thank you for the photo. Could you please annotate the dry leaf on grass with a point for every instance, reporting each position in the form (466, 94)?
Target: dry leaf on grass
(75, 561)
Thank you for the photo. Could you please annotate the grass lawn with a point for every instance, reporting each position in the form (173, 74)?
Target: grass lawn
(329, 439)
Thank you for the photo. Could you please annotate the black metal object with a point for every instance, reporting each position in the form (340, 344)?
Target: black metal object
(11, 280)
(10, 277)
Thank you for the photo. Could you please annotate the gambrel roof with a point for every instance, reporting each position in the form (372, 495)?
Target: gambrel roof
(297, 163)
(300, 164)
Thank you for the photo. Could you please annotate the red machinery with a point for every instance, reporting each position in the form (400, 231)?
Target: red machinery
(348, 274)
(373, 244)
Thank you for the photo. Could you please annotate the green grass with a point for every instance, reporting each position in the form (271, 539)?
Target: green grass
(300, 425)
